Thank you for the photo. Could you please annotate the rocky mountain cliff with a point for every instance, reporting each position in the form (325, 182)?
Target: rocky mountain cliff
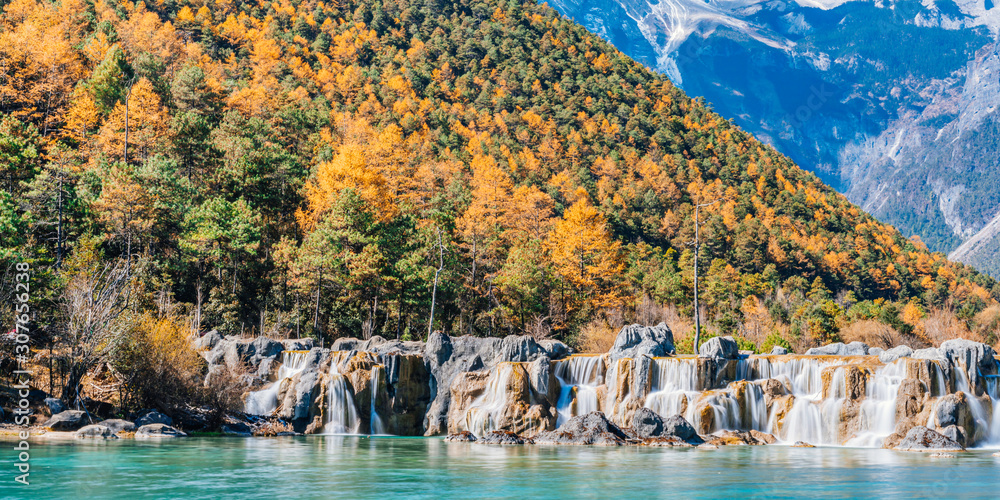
(893, 103)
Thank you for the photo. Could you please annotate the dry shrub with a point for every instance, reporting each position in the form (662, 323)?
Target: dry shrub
(538, 328)
(599, 334)
(941, 325)
(223, 391)
(679, 325)
(988, 325)
(157, 365)
(271, 428)
(877, 334)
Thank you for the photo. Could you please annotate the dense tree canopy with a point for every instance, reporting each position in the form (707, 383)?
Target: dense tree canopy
(303, 167)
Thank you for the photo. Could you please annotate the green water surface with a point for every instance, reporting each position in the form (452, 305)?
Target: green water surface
(386, 467)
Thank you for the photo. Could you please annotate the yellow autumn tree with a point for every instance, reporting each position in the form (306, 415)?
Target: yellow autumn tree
(142, 119)
(376, 165)
(586, 256)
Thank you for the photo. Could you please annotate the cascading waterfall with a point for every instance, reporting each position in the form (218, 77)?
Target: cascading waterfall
(484, 413)
(993, 388)
(265, 401)
(578, 377)
(674, 387)
(756, 407)
(975, 406)
(878, 410)
(343, 415)
(804, 380)
(375, 425)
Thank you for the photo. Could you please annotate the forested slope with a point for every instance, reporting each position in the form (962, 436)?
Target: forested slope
(334, 168)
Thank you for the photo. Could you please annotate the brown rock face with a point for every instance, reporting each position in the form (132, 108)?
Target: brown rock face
(501, 399)
(910, 399)
(410, 397)
(855, 380)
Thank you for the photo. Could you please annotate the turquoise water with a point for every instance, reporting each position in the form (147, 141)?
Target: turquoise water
(362, 467)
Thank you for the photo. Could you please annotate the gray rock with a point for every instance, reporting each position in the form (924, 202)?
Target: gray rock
(96, 431)
(928, 353)
(539, 373)
(555, 349)
(875, 351)
(895, 353)
(305, 344)
(677, 425)
(719, 348)
(445, 357)
(69, 420)
(921, 438)
(646, 423)
(55, 405)
(840, 349)
(590, 429)
(977, 359)
(953, 409)
(158, 431)
(634, 341)
(502, 437)
(153, 417)
(956, 434)
(208, 341)
(117, 425)
(238, 429)
(778, 350)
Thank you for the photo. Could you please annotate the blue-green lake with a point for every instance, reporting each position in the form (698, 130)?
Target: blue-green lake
(364, 467)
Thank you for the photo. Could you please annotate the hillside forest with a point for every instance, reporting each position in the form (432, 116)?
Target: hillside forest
(391, 167)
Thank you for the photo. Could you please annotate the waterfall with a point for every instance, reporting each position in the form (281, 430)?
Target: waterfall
(993, 388)
(342, 417)
(982, 425)
(375, 425)
(674, 387)
(486, 411)
(265, 401)
(878, 410)
(578, 378)
(756, 407)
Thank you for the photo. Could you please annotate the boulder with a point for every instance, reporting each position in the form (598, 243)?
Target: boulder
(55, 405)
(96, 431)
(875, 351)
(158, 431)
(778, 350)
(634, 341)
(976, 358)
(461, 437)
(118, 425)
(237, 429)
(69, 420)
(719, 348)
(590, 429)
(646, 423)
(298, 344)
(956, 434)
(928, 353)
(921, 438)
(840, 349)
(555, 349)
(208, 341)
(802, 444)
(895, 353)
(502, 437)
(953, 409)
(677, 425)
(153, 417)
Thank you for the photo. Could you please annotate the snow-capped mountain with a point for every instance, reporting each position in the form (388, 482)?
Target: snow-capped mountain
(895, 103)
